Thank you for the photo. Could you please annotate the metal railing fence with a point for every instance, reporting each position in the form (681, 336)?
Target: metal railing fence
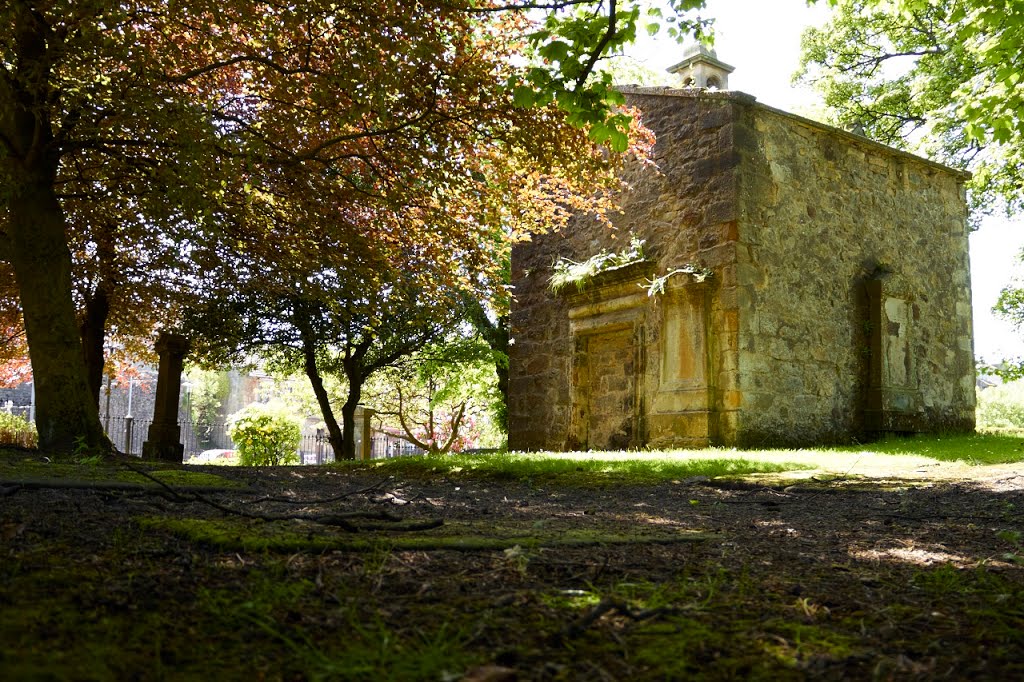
(129, 433)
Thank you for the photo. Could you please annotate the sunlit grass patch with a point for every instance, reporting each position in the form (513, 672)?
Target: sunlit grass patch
(580, 469)
(973, 448)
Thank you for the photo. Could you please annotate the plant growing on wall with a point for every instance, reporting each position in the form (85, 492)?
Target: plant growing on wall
(266, 435)
(656, 286)
(569, 272)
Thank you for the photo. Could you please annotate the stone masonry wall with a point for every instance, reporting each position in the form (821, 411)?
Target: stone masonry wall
(821, 212)
(685, 209)
(838, 304)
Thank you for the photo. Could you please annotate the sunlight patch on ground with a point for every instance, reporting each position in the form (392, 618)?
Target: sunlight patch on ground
(911, 554)
(819, 464)
(865, 463)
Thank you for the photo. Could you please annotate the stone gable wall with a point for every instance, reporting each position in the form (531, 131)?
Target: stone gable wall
(821, 213)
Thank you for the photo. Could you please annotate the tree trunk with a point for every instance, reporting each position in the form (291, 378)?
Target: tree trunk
(501, 369)
(334, 434)
(66, 415)
(93, 332)
(348, 418)
(37, 246)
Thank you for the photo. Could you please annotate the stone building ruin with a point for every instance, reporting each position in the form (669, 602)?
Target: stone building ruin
(836, 306)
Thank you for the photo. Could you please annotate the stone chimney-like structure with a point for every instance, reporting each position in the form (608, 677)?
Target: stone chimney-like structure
(701, 68)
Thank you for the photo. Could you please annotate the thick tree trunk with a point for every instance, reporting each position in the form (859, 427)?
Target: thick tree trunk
(66, 415)
(93, 332)
(501, 369)
(37, 245)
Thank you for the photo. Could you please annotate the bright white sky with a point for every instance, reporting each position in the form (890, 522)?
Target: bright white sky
(762, 40)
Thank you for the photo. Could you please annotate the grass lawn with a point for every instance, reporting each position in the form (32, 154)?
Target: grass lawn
(893, 456)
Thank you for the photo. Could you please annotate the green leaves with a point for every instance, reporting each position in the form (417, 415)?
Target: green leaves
(266, 435)
(567, 48)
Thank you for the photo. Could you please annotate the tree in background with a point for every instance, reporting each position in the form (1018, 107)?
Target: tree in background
(1001, 407)
(330, 330)
(134, 100)
(943, 79)
(83, 88)
(208, 389)
(15, 368)
(379, 230)
(441, 398)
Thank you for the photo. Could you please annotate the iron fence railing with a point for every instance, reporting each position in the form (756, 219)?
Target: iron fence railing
(316, 449)
(129, 433)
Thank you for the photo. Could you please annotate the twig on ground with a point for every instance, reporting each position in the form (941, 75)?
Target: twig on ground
(612, 605)
(340, 520)
(326, 500)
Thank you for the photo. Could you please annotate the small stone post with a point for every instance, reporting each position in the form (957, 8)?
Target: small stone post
(164, 440)
(363, 434)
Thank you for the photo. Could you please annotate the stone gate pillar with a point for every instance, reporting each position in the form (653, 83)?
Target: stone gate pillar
(164, 438)
(363, 433)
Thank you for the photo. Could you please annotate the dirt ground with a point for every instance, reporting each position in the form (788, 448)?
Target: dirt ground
(896, 574)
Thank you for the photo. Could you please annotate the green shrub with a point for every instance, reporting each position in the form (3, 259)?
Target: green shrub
(15, 430)
(1001, 407)
(265, 435)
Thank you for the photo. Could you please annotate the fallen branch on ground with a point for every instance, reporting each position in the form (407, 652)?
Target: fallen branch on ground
(341, 520)
(326, 500)
(612, 605)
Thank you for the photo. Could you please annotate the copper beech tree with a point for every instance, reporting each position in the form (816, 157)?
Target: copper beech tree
(144, 137)
(376, 241)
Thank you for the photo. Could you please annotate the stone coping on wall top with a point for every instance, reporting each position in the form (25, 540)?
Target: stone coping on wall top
(631, 272)
(690, 93)
(750, 100)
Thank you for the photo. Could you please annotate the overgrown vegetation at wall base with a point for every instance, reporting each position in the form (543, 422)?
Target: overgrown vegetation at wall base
(578, 470)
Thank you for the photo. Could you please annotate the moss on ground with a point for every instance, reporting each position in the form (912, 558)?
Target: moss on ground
(302, 536)
(22, 466)
(88, 593)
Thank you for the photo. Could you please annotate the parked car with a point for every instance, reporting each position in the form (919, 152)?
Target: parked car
(224, 457)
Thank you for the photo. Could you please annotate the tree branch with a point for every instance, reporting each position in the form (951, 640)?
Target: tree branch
(595, 54)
